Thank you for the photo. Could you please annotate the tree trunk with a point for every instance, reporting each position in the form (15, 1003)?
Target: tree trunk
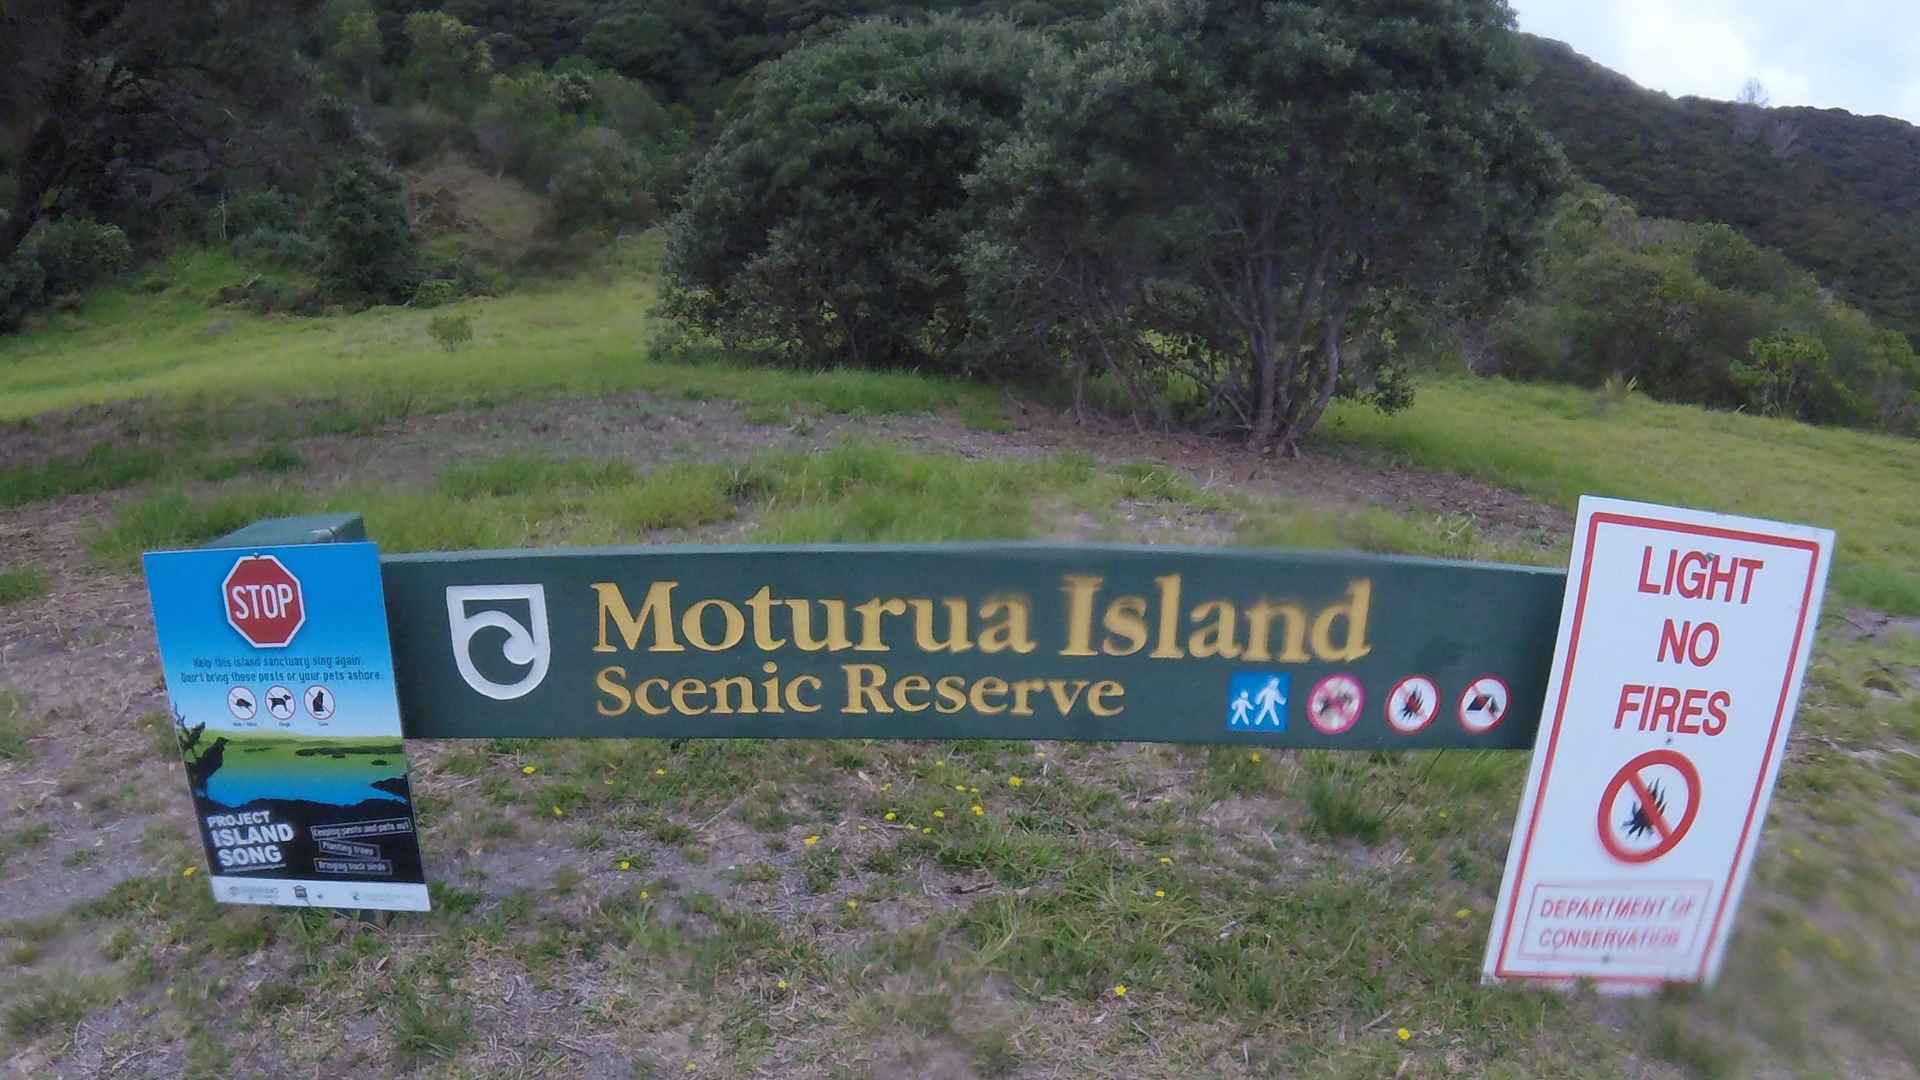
(41, 166)
(1302, 420)
(1276, 378)
(14, 230)
(1266, 376)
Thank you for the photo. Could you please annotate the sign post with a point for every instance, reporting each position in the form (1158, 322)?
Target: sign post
(970, 641)
(1683, 641)
(1657, 714)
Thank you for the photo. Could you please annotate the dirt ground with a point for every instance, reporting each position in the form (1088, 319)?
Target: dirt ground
(84, 653)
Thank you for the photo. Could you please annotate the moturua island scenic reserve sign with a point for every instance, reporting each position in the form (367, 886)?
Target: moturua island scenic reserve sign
(1662, 742)
(972, 642)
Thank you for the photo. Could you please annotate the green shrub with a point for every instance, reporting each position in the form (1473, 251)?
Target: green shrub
(451, 331)
(23, 289)
(278, 247)
(58, 259)
(370, 250)
(76, 252)
(1698, 313)
(520, 128)
(601, 181)
(434, 292)
(827, 219)
(260, 208)
(417, 133)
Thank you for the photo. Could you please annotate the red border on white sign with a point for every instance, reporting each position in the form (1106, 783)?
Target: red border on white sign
(1498, 720)
(1432, 713)
(1727, 885)
(1359, 703)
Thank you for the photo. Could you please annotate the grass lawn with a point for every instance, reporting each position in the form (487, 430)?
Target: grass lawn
(745, 908)
(1558, 443)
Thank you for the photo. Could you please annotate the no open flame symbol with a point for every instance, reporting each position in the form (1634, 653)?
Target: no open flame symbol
(1648, 806)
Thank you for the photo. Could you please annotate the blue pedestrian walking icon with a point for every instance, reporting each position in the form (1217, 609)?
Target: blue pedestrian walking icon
(1257, 701)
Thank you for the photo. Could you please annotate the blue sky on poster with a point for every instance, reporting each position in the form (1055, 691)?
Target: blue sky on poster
(1858, 55)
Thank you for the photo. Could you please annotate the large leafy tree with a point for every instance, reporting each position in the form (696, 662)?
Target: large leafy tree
(1219, 186)
(107, 104)
(828, 217)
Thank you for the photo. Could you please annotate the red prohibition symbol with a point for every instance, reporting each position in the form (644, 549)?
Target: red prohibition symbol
(1652, 807)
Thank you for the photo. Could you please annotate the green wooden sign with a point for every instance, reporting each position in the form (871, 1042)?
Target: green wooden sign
(964, 641)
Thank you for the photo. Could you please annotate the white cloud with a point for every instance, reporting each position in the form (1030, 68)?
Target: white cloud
(1858, 55)
(1683, 51)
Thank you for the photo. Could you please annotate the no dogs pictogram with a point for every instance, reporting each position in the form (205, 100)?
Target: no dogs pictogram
(1648, 806)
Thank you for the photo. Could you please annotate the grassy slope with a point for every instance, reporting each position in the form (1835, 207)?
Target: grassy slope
(1557, 443)
(1348, 904)
(587, 337)
(296, 376)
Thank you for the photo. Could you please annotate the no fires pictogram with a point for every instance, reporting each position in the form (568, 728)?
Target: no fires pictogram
(1648, 806)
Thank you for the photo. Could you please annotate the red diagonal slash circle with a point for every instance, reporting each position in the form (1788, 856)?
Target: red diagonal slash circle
(1670, 833)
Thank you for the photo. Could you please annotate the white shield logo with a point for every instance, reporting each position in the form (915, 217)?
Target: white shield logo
(526, 646)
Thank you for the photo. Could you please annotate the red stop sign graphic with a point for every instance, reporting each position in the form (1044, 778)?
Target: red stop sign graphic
(263, 602)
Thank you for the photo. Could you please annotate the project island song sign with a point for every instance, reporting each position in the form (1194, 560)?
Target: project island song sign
(281, 681)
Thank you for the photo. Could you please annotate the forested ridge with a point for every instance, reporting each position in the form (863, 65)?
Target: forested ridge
(1839, 194)
(1210, 214)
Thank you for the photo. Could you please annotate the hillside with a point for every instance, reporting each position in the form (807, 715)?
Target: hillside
(1834, 191)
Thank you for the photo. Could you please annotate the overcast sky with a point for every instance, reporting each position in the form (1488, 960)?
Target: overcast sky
(1858, 55)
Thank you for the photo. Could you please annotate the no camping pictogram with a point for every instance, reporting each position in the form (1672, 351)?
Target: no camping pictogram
(1648, 806)
(1483, 704)
(1335, 704)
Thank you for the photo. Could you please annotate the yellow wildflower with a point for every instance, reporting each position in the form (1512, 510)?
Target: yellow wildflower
(811, 840)
(660, 772)
(940, 814)
(1014, 780)
(189, 871)
(962, 788)
(1120, 990)
(853, 905)
(973, 791)
(1403, 1034)
(1164, 861)
(557, 812)
(888, 786)
(891, 815)
(1463, 913)
(1159, 894)
(781, 985)
(645, 895)
(625, 864)
(528, 770)
(978, 810)
(926, 828)
(1254, 757)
